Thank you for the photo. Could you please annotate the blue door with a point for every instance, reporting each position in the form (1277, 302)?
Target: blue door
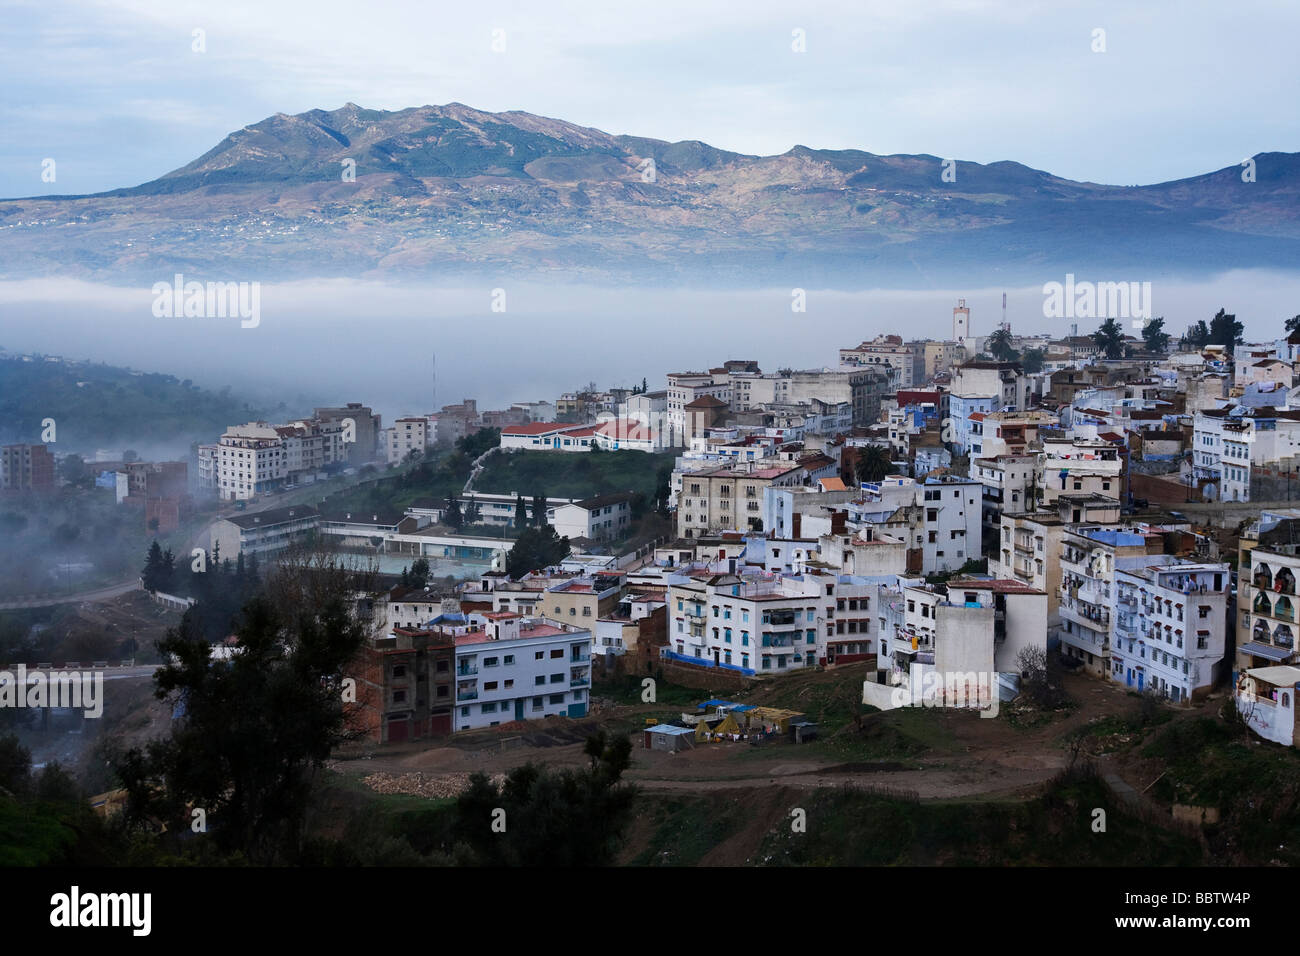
(1139, 680)
(519, 709)
(1130, 677)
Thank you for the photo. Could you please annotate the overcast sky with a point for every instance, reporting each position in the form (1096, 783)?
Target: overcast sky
(115, 93)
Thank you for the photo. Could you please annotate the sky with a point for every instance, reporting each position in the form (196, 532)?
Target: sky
(119, 92)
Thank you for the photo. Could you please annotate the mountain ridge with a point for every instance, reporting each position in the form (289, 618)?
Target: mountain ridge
(446, 190)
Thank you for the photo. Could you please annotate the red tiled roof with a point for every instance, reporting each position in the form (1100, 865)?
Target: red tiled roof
(537, 428)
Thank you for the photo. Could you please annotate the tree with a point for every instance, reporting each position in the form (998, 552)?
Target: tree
(539, 510)
(521, 512)
(645, 387)
(1292, 324)
(873, 464)
(152, 574)
(1031, 360)
(419, 575)
(999, 344)
(570, 817)
(1197, 335)
(252, 731)
(536, 548)
(1110, 339)
(74, 470)
(452, 516)
(473, 514)
(1225, 330)
(1155, 337)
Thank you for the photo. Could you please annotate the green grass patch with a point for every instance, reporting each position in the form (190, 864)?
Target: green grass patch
(577, 475)
(848, 827)
(687, 828)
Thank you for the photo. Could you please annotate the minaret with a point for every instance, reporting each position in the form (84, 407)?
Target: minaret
(961, 324)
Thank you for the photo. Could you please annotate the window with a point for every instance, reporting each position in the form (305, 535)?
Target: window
(491, 661)
(557, 698)
(490, 685)
(490, 707)
(557, 653)
(399, 670)
(539, 680)
(537, 703)
(539, 655)
(557, 678)
(510, 658)
(399, 696)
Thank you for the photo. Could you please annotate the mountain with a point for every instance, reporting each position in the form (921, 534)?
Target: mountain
(451, 191)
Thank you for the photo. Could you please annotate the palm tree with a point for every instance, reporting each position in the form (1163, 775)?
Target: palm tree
(999, 343)
(873, 464)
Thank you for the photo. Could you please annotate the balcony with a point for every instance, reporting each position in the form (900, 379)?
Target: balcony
(580, 682)
(467, 695)
(464, 671)
(579, 658)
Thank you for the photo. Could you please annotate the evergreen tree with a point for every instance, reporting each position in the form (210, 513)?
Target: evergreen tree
(452, 516)
(539, 510)
(167, 578)
(153, 568)
(419, 572)
(521, 512)
(536, 548)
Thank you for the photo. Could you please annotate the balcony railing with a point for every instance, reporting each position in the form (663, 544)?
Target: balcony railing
(467, 695)
(466, 671)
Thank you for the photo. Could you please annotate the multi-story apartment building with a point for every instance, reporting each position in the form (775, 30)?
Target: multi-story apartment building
(1170, 627)
(729, 498)
(256, 457)
(510, 667)
(948, 644)
(415, 433)
(1268, 566)
(1007, 433)
(26, 468)
(1237, 446)
(1029, 546)
(683, 389)
(765, 625)
(983, 387)
(405, 685)
(1011, 484)
(1089, 558)
(363, 432)
(1081, 466)
(904, 362)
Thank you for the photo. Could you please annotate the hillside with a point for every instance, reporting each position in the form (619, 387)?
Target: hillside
(454, 191)
(95, 406)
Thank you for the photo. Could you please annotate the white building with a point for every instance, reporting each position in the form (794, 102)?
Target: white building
(256, 458)
(416, 433)
(600, 518)
(516, 668)
(761, 625)
(1170, 628)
